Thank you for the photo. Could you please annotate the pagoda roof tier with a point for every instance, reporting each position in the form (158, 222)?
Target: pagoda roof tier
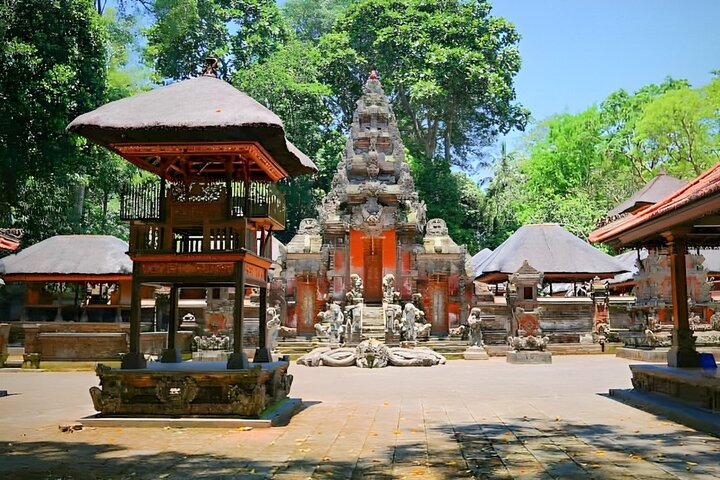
(655, 190)
(211, 119)
(551, 249)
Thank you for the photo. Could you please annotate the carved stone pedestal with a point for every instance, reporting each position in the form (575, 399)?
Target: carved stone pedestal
(682, 353)
(203, 388)
(475, 353)
(529, 357)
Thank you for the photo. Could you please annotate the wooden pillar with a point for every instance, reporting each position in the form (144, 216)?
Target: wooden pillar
(134, 358)
(682, 352)
(238, 360)
(263, 353)
(171, 354)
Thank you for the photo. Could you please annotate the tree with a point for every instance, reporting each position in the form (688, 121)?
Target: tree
(63, 44)
(448, 66)
(238, 32)
(678, 132)
(312, 18)
(621, 112)
(287, 83)
(498, 219)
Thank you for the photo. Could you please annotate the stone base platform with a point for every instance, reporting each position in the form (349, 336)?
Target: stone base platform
(475, 353)
(278, 416)
(656, 355)
(693, 386)
(529, 357)
(191, 388)
(697, 418)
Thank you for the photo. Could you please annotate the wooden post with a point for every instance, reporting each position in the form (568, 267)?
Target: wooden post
(171, 354)
(134, 358)
(238, 360)
(263, 352)
(682, 352)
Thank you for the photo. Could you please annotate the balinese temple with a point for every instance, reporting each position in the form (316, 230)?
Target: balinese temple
(372, 224)
(204, 222)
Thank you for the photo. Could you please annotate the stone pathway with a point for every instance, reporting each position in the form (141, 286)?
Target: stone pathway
(484, 419)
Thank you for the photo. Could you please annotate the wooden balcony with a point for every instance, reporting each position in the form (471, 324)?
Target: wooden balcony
(154, 202)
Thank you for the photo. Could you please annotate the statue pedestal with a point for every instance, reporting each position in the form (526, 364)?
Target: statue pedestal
(475, 353)
(528, 357)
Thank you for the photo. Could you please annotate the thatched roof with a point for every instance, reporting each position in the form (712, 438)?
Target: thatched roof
(70, 255)
(550, 249)
(655, 190)
(203, 109)
(478, 259)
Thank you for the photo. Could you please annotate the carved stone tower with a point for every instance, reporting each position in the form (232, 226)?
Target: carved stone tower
(371, 224)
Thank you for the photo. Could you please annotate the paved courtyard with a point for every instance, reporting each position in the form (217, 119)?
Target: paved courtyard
(484, 419)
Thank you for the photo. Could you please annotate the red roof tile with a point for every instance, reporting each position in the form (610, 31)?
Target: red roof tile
(705, 185)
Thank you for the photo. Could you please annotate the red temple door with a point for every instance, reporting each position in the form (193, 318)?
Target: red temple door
(372, 262)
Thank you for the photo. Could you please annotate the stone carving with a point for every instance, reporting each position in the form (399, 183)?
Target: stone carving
(355, 295)
(371, 354)
(213, 342)
(246, 397)
(530, 342)
(715, 321)
(390, 295)
(436, 227)
(287, 332)
(179, 391)
(474, 324)
(330, 324)
(309, 226)
(272, 327)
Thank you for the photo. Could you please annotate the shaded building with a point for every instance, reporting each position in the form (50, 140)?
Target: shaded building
(372, 224)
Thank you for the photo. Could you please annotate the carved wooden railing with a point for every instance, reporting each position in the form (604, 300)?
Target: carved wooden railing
(148, 201)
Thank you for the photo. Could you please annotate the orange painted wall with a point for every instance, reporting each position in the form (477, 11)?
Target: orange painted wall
(389, 247)
(389, 251)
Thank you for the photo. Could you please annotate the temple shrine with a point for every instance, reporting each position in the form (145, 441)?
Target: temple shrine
(205, 221)
(372, 231)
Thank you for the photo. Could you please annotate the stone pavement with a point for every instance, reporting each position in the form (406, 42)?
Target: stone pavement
(483, 419)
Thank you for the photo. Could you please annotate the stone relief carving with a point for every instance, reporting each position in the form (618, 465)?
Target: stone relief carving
(371, 354)
(436, 227)
(309, 226)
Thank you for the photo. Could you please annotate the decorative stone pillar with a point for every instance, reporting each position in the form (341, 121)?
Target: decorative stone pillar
(682, 352)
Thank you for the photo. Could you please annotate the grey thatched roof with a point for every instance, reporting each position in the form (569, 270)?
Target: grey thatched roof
(551, 249)
(629, 261)
(71, 255)
(655, 190)
(478, 259)
(202, 109)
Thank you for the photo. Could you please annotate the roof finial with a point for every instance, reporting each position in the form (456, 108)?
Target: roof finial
(210, 67)
(373, 75)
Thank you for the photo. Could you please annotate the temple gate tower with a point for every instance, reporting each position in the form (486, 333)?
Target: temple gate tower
(372, 224)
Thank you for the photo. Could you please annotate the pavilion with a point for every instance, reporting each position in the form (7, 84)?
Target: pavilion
(550, 249)
(686, 217)
(94, 270)
(204, 221)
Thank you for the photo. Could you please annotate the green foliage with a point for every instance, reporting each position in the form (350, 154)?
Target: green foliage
(578, 167)
(452, 196)
(312, 18)
(238, 32)
(448, 65)
(287, 83)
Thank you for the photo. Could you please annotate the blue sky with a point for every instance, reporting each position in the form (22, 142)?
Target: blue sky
(576, 52)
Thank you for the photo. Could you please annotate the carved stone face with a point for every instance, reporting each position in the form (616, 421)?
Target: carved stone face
(436, 227)
(309, 226)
